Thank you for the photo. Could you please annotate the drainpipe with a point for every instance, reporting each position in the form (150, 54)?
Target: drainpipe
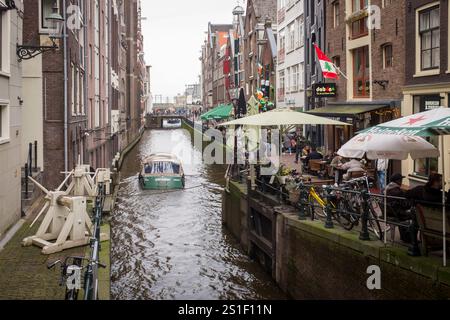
(66, 152)
(110, 154)
(86, 89)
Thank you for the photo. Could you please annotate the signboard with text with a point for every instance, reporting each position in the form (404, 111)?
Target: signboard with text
(324, 90)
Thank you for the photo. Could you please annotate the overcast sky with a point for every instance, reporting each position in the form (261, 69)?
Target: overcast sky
(173, 33)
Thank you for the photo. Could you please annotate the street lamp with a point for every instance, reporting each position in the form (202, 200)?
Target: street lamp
(26, 52)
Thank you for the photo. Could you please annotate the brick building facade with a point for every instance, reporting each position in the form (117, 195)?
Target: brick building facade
(427, 83)
(258, 13)
(98, 110)
(213, 55)
(370, 58)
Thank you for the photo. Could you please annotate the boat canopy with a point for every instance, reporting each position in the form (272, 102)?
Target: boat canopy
(162, 167)
(162, 164)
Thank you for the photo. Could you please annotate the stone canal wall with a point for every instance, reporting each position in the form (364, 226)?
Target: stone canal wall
(312, 262)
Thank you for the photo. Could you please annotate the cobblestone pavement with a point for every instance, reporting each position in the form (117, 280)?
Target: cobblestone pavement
(24, 274)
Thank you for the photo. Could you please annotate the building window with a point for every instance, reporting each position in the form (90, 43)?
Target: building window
(426, 167)
(288, 80)
(291, 37)
(73, 80)
(361, 72)
(4, 122)
(282, 53)
(387, 3)
(359, 5)
(388, 57)
(5, 42)
(46, 10)
(336, 61)
(301, 28)
(336, 15)
(429, 33)
(82, 93)
(359, 28)
(295, 76)
(301, 83)
(281, 89)
(1, 41)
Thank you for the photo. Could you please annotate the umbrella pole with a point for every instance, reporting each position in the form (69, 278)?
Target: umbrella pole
(444, 222)
(385, 206)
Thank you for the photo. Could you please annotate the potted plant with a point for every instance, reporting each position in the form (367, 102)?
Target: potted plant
(283, 174)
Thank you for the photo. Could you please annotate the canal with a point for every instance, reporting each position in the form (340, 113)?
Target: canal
(172, 245)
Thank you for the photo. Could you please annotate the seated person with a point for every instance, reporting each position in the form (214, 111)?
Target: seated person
(329, 156)
(430, 194)
(306, 151)
(398, 208)
(334, 168)
(314, 155)
(350, 167)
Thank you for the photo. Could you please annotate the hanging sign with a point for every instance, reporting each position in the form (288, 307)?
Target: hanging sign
(324, 90)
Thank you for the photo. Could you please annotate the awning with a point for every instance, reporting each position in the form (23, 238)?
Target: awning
(348, 110)
(221, 112)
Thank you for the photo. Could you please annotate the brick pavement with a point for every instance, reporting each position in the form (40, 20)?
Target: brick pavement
(24, 274)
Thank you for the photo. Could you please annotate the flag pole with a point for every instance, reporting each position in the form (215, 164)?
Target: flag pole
(339, 70)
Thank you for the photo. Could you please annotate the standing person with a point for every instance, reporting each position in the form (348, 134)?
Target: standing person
(382, 167)
(335, 164)
(301, 144)
(287, 143)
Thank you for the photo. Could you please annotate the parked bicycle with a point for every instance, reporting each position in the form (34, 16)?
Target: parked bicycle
(346, 204)
(72, 274)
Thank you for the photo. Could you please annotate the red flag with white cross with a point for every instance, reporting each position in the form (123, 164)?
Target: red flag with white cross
(328, 68)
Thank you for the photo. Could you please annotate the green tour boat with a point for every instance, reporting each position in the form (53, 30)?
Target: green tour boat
(162, 172)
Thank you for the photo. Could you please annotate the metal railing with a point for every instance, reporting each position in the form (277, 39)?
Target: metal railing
(30, 166)
(331, 202)
(91, 275)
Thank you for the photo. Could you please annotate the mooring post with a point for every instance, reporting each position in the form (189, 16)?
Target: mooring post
(414, 249)
(329, 223)
(364, 235)
(303, 198)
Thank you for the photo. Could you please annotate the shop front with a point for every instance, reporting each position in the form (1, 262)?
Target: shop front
(419, 99)
(360, 116)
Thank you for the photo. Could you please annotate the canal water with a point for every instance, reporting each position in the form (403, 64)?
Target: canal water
(172, 245)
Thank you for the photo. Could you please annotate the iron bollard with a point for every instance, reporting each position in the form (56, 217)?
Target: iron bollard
(329, 222)
(30, 159)
(35, 156)
(364, 235)
(414, 249)
(302, 201)
(26, 180)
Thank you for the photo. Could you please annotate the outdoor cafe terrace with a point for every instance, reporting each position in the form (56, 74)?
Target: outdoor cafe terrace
(354, 206)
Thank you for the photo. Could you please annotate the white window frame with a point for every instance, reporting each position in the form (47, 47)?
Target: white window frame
(384, 47)
(5, 67)
(301, 73)
(41, 29)
(301, 31)
(287, 80)
(336, 22)
(291, 37)
(418, 62)
(5, 118)
(295, 76)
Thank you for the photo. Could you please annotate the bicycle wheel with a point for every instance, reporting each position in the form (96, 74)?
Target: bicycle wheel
(375, 228)
(374, 225)
(316, 209)
(344, 217)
